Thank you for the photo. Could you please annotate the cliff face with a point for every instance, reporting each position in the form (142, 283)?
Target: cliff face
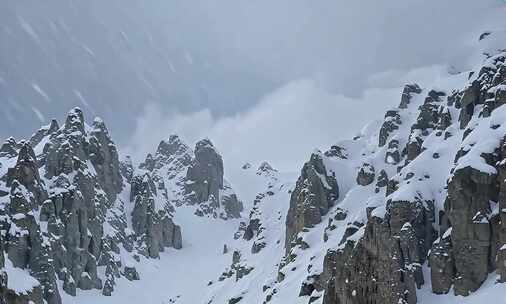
(437, 202)
(315, 193)
(195, 177)
(64, 213)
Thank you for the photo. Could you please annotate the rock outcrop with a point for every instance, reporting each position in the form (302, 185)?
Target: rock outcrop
(381, 262)
(151, 218)
(315, 193)
(205, 186)
(57, 203)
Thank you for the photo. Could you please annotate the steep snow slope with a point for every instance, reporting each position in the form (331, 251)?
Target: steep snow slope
(192, 274)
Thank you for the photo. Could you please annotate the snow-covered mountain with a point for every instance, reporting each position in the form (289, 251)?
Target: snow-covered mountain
(408, 211)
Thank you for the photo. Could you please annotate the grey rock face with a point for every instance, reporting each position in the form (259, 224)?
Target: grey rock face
(392, 123)
(174, 148)
(430, 117)
(43, 132)
(500, 230)
(131, 273)
(152, 222)
(381, 261)
(365, 175)
(478, 93)
(126, 169)
(442, 265)
(206, 187)
(76, 211)
(265, 168)
(336, 151)
(24, 243)
(53, 224)
(467, 207)
(205, 175)
(104, 157)
(315, 192)
(9, 148)
(407, 94)
(393, 153)
(382, 180)
(384, 266)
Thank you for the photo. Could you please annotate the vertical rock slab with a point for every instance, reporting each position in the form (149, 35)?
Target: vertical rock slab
(315, 192)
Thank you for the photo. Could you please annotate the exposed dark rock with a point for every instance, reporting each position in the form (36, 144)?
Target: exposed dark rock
(131, 273)
(127, 169)
(392, 123)
(484, 35)
(382, 180)
(407, 94)
(206, 187)
(483, 90)
(467, 206)
(73, 200)
(442, 265)
(104, 156)
(365, 175)
(43, 132)
(393, 154)
(9, 148)
(336, 151)
(384, 266)
(315, 192)
(265, 167)
(151, 221)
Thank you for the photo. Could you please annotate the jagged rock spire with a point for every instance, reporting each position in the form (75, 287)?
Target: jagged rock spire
(75, 120)
(206, 173)
(9, 148)
(315, 192)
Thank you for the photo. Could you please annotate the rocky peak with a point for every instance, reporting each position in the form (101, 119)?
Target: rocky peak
(26, 170)
(99, 126)
(206, 173)
(103, 154)
(407, 94)
(69, 222)
(265, 168)
(173, 153)
(126, 168)
(75, 121)
(337, 151)
(173, 146)
(316, 191)
(9, 148)
(151, 217)
(206, 187)
(149, 163)
(481, 92)
(43, 132)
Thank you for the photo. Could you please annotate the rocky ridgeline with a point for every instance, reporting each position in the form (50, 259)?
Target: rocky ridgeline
(436, 179)
(62, 216)
(194, 177)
